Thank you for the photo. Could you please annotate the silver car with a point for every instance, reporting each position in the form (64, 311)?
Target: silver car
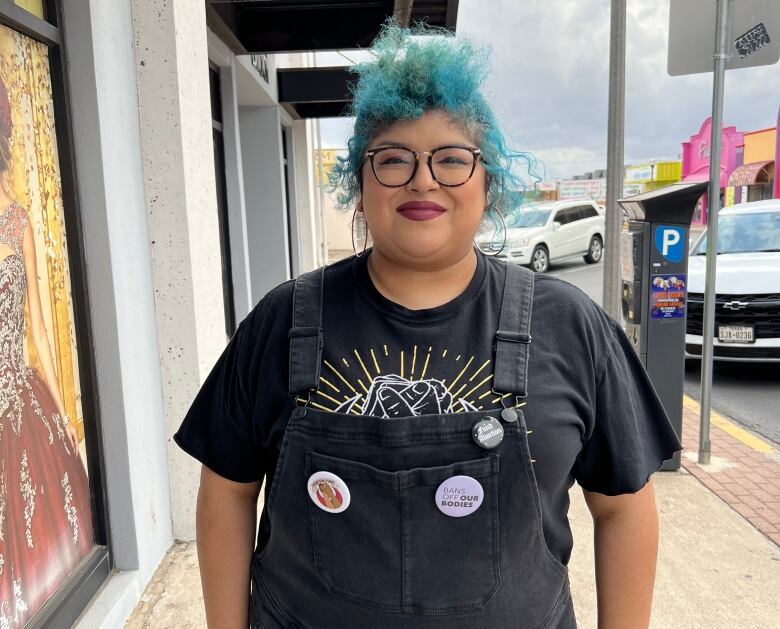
(541, 233)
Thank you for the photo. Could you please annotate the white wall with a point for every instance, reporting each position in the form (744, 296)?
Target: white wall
(176, 139)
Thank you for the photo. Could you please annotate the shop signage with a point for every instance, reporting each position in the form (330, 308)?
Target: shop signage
(630, 189)
(754, 35)
(260, 63)
(577, 188)
(546, 186)
(639, 173)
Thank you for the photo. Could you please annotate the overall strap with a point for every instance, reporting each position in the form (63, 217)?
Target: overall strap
(306, 339)
(513, 338)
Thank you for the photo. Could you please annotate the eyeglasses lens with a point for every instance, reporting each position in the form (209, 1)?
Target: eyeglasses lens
(451, 166)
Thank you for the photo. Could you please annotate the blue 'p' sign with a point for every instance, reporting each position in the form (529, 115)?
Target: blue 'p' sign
(670, 242)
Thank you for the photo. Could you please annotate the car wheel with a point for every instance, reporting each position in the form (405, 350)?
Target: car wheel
(595, 250)
(540, 260)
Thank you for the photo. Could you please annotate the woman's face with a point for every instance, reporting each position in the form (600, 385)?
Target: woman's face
(423, 223)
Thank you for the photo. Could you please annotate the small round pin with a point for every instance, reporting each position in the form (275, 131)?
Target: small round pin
(459, 496)
(509, 415)
(328, 492)
(487, 432)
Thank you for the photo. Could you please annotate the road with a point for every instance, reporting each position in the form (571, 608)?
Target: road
(747, 393)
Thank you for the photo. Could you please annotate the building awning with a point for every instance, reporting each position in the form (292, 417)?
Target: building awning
(752, 174)
(315, 92)
(272, 26)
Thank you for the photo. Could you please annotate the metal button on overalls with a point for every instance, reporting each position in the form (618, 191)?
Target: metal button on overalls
(392, 558)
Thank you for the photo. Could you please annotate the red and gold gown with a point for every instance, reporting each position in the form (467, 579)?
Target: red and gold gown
(45, 515)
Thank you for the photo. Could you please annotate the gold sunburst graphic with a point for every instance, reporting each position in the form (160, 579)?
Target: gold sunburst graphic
(351, 383)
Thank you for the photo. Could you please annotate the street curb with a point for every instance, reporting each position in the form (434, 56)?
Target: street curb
(748, 438)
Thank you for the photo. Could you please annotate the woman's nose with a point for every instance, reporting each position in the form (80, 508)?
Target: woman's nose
(423, 179)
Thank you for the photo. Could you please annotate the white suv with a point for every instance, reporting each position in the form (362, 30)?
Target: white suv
(541, 233)
(747, 285)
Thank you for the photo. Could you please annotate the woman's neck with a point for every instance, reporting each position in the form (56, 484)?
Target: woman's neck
(418, 288)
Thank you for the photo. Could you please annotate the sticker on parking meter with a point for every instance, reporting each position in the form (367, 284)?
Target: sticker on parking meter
(667, 296)
(670, 242)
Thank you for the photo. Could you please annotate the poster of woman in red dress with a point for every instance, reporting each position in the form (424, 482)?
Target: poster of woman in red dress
(45, 507)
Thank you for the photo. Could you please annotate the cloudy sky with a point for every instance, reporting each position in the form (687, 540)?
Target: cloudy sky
(549, 82)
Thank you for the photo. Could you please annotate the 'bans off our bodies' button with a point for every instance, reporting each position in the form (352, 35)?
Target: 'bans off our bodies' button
(459, 496)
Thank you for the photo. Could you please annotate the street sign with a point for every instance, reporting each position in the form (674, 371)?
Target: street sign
(754, 35)
(670, 242)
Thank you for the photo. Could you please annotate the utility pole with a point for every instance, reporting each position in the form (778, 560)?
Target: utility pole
(615, 134)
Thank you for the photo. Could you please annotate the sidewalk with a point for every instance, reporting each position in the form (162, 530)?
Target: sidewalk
(719, 555)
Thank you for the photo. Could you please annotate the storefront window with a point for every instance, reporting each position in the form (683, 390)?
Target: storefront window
(46, 523)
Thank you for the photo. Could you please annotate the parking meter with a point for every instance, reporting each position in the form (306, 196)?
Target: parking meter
(654, 263)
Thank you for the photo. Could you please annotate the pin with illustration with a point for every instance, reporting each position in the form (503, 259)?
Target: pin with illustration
(328, 492)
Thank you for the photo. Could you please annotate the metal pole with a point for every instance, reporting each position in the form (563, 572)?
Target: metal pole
(708, 327)
(402, 12)
(615, 133)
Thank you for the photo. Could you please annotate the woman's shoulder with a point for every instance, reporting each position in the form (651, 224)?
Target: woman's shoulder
(566, 307)
(16, 215)
(554, 289)
(13, 222)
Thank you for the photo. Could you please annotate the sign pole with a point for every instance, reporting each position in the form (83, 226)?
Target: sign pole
(615, 132)
(708, 328)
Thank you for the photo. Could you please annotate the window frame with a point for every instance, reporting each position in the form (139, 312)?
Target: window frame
(79, 588)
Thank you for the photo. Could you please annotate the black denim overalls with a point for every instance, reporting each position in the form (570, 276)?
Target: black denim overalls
(392, 559)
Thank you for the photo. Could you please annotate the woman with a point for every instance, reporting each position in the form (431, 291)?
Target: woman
(447, 399)
(45, 517)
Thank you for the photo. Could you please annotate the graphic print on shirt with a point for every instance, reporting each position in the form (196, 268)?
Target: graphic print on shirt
(405, 384)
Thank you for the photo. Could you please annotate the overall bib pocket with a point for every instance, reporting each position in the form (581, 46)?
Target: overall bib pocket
(394, 550)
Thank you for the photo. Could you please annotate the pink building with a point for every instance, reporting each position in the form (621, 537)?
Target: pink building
(696, 160)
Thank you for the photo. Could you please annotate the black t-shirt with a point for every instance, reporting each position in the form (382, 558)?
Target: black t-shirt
(593, 413)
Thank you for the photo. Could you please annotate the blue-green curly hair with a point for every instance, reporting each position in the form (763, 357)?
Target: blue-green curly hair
(416, 71)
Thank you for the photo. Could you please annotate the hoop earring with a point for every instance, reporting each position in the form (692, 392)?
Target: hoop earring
(503, 225)
(363, 228)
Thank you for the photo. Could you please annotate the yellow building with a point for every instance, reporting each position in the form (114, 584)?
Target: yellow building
(651, 175)
(324, 160)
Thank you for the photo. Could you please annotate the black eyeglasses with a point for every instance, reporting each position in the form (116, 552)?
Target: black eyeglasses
(396, 166)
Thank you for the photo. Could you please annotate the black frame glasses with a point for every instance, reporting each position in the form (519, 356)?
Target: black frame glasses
(476, 153)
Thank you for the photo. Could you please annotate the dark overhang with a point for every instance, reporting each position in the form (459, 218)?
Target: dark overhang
(272, 26)
(314, 92)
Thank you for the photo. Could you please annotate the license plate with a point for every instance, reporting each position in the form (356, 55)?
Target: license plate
(735, 334)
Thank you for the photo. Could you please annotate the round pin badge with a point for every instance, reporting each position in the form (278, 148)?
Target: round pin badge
(509, 415)
(328, 492)
(487, 433)
(459, 496)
